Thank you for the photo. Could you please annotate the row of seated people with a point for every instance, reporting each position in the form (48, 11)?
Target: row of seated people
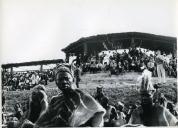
(130, 60)
(25, 80)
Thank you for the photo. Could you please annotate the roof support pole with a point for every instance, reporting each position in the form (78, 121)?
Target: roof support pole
(11, 71)
(67, 58)
(41, 68)
(132, 44)
(175, 49)
(85, 47)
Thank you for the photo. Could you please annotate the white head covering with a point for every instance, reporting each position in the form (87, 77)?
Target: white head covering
(146, 83)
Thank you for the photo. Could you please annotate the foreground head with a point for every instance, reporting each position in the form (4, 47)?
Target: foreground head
(105, 102)
(100, 89)
(39, 87)
(64, 78)
(38, 93)
(158, 52)
(147, 90)
(120, 106)
(17, 107)
(27, 124)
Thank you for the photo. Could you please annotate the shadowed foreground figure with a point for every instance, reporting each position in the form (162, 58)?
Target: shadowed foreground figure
(72, 107)
(18, 110)
(100, 96)
(37, 105)
(148, 113)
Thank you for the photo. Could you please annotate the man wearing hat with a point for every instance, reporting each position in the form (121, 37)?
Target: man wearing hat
(71, 107)
(149, 114)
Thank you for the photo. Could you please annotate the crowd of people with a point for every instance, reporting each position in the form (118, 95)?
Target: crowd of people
(126, 60)
(115, 61)
(74, 108)
(25, 80)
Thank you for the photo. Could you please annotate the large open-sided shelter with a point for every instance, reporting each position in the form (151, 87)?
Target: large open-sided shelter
(32, 63)
(95, 44)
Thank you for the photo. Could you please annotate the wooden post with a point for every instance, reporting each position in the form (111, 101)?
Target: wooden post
(67, 58)
(132, 44)
(41, 68)
(175, 49)
(85, 48)
(11, 71)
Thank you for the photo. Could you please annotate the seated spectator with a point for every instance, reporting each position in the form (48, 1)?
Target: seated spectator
(171, 108)
(131, 108)
(93, 67)
(113, 66)
(110, 115)
(18, 110)
(72, 107)
(99, 96)
(162, 100)
(126, 65)
(132, 66)
(120, 106)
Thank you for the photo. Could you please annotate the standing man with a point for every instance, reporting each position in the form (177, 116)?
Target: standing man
(160, 60)
(33, 79)
(77, 75)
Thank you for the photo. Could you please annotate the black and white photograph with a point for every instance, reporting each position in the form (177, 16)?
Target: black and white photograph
(88, 63)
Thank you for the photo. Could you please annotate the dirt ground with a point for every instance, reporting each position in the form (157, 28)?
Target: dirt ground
(122, 88)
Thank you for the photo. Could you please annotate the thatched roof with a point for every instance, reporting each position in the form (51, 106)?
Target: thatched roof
(144, 40)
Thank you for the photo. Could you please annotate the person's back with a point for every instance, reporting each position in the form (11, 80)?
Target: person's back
(158, 116)
(150, 114)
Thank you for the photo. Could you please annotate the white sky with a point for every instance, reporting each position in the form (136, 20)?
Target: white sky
(38, 29)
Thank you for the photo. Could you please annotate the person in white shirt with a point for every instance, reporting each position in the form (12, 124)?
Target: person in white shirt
(33, 79)
(160, 59)
(37, 78)
(72, 58)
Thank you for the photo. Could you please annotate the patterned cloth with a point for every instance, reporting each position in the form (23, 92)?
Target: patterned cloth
(62, 68)
(72, 110)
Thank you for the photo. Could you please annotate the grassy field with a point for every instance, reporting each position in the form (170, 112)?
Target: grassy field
(118, 88)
